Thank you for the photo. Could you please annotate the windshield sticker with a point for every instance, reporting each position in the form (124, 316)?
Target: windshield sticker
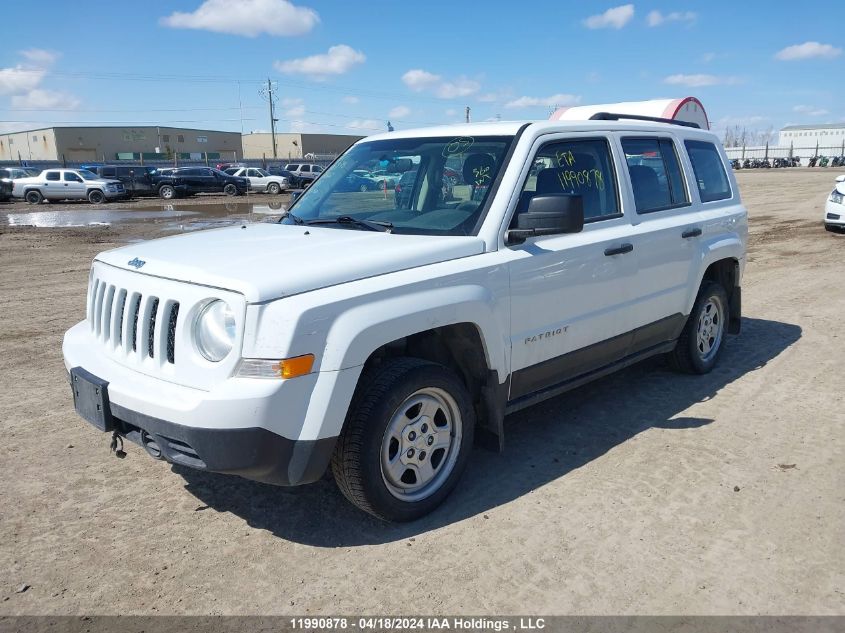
(481, 175)
(571, 179)
(458, 145)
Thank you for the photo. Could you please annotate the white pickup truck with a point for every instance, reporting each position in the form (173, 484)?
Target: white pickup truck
(379, 339)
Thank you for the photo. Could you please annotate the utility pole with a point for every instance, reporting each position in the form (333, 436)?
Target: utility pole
(269, 94)
(467, 114)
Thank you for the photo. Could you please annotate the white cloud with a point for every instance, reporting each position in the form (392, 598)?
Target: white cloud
(419, 80)
(451, 112)
(553, 100)
(249, 18)
(39, 57)
(488, 97)
(808, 50)
(656, 18)
(39, 99)
(19, 80)
(367, 125)
(350, 100)
(700, 80)
(399, 112)
(337, 61)
(810, 110)
(708, 57)
(614, 18)
(295, 111)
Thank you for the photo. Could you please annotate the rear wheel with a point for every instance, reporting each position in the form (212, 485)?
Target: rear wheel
(167, 192)
(95, 196)
(33, 197)
(230, 190)
(702, 339)
(406, 441)
(274, 188)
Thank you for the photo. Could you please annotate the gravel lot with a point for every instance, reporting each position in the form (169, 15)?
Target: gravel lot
(645, 493)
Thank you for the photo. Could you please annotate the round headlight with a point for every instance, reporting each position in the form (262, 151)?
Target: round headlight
(214, 331)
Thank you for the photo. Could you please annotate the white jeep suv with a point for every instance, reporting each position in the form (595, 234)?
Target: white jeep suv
(379, 339)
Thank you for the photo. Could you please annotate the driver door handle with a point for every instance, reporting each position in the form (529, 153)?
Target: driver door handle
(619, 250)
(691, 233)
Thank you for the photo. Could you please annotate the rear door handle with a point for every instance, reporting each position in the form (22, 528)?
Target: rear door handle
(619, 250)
(691, 233)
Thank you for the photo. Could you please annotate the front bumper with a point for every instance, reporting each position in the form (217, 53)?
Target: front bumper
(834, 214)
(249, 427)
(252, 452)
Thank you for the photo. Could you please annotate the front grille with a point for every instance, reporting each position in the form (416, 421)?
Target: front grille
(131, 322)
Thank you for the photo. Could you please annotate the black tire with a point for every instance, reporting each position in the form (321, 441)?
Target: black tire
(688, 356)
(95, 196)
(274, 188)
(357, 459)
(167, 192)
(33, 197)
(230, 190)
(363, 188)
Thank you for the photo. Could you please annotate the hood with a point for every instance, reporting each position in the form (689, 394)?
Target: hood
(268, 261)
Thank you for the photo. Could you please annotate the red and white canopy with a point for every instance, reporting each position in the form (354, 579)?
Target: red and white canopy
(687, 109)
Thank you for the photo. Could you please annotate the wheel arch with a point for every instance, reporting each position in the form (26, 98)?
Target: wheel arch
(725, 268)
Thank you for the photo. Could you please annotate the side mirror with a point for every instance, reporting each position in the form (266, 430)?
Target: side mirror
(550, 214)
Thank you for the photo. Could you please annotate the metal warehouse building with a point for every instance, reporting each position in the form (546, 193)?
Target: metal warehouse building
(825, 135)
(296, 146)
(110, 143)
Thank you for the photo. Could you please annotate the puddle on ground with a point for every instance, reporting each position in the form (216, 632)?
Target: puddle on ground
(170, 216)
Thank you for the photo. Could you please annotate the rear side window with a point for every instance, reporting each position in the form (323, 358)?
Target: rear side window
(52, 175)
(305, 168)
(579, 167)
(709, 171)
(656, 177)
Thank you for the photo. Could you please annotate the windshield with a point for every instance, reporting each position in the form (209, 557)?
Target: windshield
(422, 186)
(88, 175)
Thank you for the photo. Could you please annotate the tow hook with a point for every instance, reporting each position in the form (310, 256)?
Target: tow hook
(115, 440)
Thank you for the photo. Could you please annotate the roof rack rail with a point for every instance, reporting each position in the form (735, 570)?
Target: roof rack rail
(613, 116)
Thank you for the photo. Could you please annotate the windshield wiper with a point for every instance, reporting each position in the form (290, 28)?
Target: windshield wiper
(384, 227)
(296, 219)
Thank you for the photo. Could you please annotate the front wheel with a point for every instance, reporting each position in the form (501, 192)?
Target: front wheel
(702, 339)
(167, 192)
(274, 188)
(406, 441)
(33, 197)
(230, 190)
(95, 196)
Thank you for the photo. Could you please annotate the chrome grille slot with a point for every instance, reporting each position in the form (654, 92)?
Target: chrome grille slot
(98, 308)
(171, 332)
(108, 300)
(92, 300)
(136, 309)
(151, 339)
(117, 319)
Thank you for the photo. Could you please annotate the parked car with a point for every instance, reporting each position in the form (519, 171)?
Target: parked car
(9, 174)
(306, 172)
(834, 208)
(260, 180)
(354, 182)
(225, 166)
(136, 179)
(277, 170)
(187, 181)
(68, 184)
(385, 179)
(379, 342)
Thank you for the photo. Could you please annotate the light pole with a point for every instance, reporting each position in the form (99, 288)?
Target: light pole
(269, 94)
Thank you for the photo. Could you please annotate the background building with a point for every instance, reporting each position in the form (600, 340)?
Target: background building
(296, 146)
(826, 136)
(109, 143)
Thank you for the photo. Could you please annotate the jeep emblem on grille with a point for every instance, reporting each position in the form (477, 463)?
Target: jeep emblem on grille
(137, 263)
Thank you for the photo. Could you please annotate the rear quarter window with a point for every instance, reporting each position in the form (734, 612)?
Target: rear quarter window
(709, 171)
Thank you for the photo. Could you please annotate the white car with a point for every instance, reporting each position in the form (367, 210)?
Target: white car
(260, 179)
(834, 208)
(378, 340)
(68, 184)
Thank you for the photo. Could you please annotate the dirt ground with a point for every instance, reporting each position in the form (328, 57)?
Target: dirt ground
(645, 493)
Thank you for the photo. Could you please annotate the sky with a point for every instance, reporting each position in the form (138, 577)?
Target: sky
(349, 67)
